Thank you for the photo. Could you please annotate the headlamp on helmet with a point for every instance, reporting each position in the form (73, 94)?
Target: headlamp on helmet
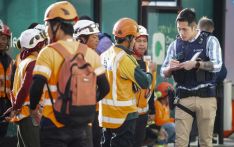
(31, 37)
(85, 27)
(142, 31)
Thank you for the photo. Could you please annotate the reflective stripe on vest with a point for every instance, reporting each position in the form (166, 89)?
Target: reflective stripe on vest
(2, 77)
(7, 89)
(43, 69)
(143, 110)
(47, 102)
(53, 88)
(115, 66)
(112, 120)
(118, 103)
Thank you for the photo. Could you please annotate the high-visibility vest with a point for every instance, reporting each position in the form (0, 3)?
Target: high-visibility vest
(120, 101)
(17, 60)
(19, 77)
(51, 72)
(5, 80)
(143, 95)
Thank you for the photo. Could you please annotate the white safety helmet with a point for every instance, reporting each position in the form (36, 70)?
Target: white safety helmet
(85, 27)
(30, 38)
(142, 31)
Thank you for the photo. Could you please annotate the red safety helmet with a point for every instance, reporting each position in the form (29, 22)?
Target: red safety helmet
(164, 87)
(5, 30)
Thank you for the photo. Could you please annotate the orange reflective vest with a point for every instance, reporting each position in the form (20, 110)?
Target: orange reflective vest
(143, 95)
(162, 114)
(5, 80)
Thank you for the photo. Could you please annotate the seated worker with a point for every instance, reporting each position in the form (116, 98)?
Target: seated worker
(162, 113)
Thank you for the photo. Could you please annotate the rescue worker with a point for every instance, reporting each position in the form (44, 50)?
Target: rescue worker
(31, 42)
(193, 59)
(87, 32)
(6, 69)
(118, 110)
(59, 20)
(162, 113)
(143, 95)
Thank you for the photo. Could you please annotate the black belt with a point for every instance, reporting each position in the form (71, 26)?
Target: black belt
(202, 92)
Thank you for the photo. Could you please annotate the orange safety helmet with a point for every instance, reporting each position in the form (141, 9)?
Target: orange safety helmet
(164, 87)
(64, 10)
(124, 27)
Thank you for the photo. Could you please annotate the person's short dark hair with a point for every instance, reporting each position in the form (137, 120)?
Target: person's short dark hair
(83, 38)
(206, 24)
(66, 26)
(32, 25)
(121, 40)
(85, 17)
(187, 15)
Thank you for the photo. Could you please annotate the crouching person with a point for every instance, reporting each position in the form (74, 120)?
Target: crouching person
(162, 115)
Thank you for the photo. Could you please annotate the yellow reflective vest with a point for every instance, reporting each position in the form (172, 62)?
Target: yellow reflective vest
(120, 101)
(18, 80)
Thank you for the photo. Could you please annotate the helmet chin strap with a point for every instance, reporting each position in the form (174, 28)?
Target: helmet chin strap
(54, 32)
(129, 40)
(138, 54)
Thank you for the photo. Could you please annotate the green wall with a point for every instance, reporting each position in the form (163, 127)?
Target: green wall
(113, 10)
(19, 14)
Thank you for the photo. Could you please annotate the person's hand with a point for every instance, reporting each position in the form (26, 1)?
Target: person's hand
(188, 65)
(36, 117)
(151, 117)
(174, 65)
(10, 113)
(152, 67)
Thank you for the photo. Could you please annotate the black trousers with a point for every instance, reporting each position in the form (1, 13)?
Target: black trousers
(140, 131)
(97, 132)
(66, 137)
(4, 105)
(27, 134)
(120, 137)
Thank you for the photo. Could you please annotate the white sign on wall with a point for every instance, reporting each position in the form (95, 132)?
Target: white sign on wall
(158, 48)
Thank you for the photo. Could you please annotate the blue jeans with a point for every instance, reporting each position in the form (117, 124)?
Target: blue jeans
(170, 130)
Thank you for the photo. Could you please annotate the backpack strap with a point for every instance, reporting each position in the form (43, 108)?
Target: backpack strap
(60, 48)
(82, 48)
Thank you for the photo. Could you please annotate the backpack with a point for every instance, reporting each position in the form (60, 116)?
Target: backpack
(76, 101)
